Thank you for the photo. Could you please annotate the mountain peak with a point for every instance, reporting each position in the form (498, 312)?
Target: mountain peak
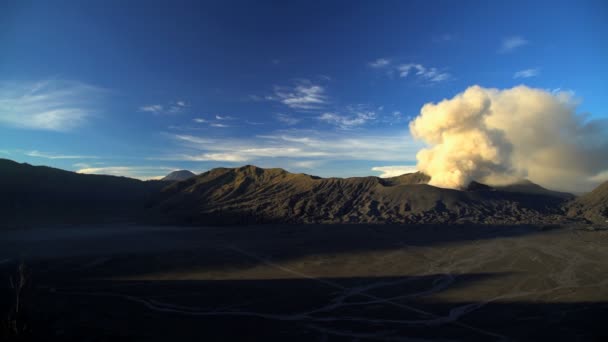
(179, 175)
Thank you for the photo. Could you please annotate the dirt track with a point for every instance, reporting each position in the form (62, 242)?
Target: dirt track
(315, 282)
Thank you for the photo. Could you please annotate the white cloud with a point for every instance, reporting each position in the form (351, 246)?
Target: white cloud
(287, 119)
(394, 170)
(171, 108)
(348, 121)
(600, 177)
(254, 123)
(46, 155)
(306, 164)
(47, 105)
(512, 43)
(324, 78)
(304, 95)
(296, 145)
(526, 73)
(216, 123)
(82, 165)
(380, 63)
(224, 157)
(139, 172)
(426, 74)
(156, 109)
(414, 70)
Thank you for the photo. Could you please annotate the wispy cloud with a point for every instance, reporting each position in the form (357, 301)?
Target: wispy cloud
(296, 145)
(231, 157)
(423, 73)
(156, 109)
(306, 164)
(254, 123)
(380, 63)
(287, 119)
(52, 105)
(171, 108)
(600, 177)
(258, 98)
(82, 165)
(394, 170)
(527, 73)
(348, 121)
(419, 71)
(47, 155)
(305, 95)
(217, 123)
(139, 172)
(512, 43)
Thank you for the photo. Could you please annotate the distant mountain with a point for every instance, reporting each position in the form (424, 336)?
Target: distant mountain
(527, 187)
(177, 176)
(592, 206)
(250, 194)
(47, 195)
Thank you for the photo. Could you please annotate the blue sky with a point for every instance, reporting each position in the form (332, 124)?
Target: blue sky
(322, 87)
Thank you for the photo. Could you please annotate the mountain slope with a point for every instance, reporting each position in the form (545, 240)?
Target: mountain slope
(409, 178)
(250, 194)
(527, 187)
(177, 176)
(592, 206)
(45, 194)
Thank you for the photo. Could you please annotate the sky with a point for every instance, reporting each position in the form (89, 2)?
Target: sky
(141, 88)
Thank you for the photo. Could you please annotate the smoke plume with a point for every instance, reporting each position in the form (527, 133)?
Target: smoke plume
(502, 136)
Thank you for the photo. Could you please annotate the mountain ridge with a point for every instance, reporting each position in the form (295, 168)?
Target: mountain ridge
(249, 194)
(50, 195)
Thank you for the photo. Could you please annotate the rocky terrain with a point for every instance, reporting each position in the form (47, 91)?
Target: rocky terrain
(592, 206)
(254, 195)
(251, 195)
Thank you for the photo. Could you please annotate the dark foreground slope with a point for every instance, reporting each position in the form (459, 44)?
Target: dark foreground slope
(251, 195)
(310, 283)
(43, 194)
(592, 206)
